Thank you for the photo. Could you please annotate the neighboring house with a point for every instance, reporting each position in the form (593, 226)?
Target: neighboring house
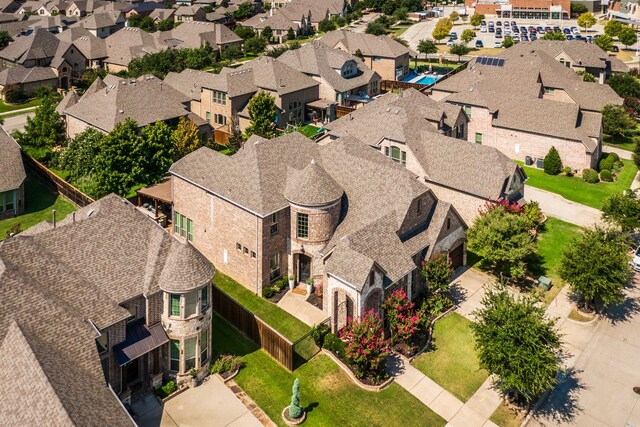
(122, 306)
(10, 6)
(416, 132)
(51, 8)
(219, 98)
(382, 54)
(90, 46)
(28, 80)
(43, 49)
(343, 77)
(340, 215)
(103, 24)
(12, 178)
(54, 24)
(525, 9)
(30, 7)
(189, 14)
(580, 57)
(161, 14)
(524, 105)
(81, 8)
(127, 44)
(112, 100)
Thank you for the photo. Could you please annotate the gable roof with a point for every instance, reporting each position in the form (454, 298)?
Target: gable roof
(368, 44)
(89, 45)
(21, 75)
(471, 168)
(12, 173)
(145, 100)
(40, 44)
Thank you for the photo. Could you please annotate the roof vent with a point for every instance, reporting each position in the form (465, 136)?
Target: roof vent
(121, 111)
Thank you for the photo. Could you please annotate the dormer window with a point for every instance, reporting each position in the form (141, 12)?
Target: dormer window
(348, 69)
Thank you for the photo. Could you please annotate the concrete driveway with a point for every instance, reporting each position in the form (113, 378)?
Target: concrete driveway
(598, 389)
(16, 122)
(210, 404)
(566, 210)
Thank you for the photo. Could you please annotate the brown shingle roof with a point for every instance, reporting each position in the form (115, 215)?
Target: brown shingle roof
(312, 186)
(12, 173)
(368, 44)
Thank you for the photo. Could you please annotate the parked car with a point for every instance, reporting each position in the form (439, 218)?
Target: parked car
(533, 37)
(513, 24)
(566, 31)
(483, 29)
(516, 37)
(524, 37)
(479, 44)
(575, 30)
(515, 30)
(451, 42)
(558, 29)
(636, 260)
(523, 29)
(615, 48)
(499, 24)
(492, 30)
(569, 37)
(498, 35)
(497, 44)
(483, 23)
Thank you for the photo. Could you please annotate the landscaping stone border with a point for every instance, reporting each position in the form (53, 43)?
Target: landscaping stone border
(250, 404)
(232, 376)
(588, 322)
(353, 377)
(172, 395)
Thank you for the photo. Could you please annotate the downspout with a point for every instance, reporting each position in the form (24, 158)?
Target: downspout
(258, 254)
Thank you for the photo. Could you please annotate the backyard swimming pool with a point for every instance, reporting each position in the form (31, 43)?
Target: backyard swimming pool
(421, 78)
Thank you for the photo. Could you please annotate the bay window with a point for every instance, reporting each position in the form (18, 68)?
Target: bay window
(190, 303)
(174, 355)
(204, 346)
(189, 354)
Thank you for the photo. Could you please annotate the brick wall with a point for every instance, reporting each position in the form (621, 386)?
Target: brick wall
(274, 243)
(322, 223)
(154, 308)
(466, 204)
(413, 219)
(116, 334)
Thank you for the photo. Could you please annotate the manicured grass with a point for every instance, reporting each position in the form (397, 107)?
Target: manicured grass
(398, 30)
(326, 392)
(279, 319)
(308, 130)
(39, 202)
(507, 417)
(5, 108)
(453, 362)
(576, 189)
(574, 315)
(621, 142)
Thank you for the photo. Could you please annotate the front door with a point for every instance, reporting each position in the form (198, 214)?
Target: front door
(304, 268)
(132, 373)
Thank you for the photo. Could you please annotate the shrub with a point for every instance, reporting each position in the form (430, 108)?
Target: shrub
(605, 175)
(606, 162)
(295, 411)
(437, 270)
(402, 317)
(334, 344)
(366, 350)
(166, 389)
(590, 176)
(226, 363)
(567, 171)
(319, 332)
(617, 165)
(268, 292)
(534, 215)
(433, 306)
(552, 162)
(615, 156)
(13, 94)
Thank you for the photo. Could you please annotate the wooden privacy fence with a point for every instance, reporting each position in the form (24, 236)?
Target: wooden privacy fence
(343, 110)
(76, 196)
(253, 327)
(391, 85)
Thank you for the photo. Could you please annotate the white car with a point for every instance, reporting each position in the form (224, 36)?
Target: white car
(483, 29)
(497, 44)
(635, 262)
(574, 30)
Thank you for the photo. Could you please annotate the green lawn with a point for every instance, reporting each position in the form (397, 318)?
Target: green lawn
(453, 362)
(507, 417)
(622, 142)
(5, 108)
(309, 130)
(398, 30)
(39, 202)
(279, 319)
(576, 189)
(326, 393)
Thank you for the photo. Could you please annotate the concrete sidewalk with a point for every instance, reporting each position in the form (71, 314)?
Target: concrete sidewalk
(561, 208)
(297, 306)
(624, 154)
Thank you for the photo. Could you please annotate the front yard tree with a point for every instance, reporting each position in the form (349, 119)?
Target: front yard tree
(501, 237)
(267, 33)
(476, 19)
(117, 167)
(427, 47)
(262, 115)
(517, 343)
(623, 210)
(459, 49)
(44, 129)
(552, 162)
(604, 41)
(627, 36)
(255, 45)
(366, 350)
(616, 120)
(553, 35)
(596, 266)
(467, 35)
(586, 20)
(438, 271)
(291, 35)
(612, 28)
(185, 138)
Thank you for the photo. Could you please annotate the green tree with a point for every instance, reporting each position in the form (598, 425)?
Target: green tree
(291, 35)
(623, 210)
(255, 45)
(185, 138)
(155, 152)
(552, 162)
(627, 36)
(625, 85)
(44, 130)
(401, 14)
(517, 343)
(442, 29)
(262, 114)
(553, 35)
(459, 49)
(134, 20)
(78, 158)
(586, 77)
(117, 167)
(616, 120)
(244, 32)
(231, 53)
(147, 24)
(326, 25)
(438, 271)
(612, 28)
(501, 237)
(426, 47)
(165, 25)
(295, 411)
(476, 19)
(578, 9)
(267, 33)
(604, 42)
(236, 140)
(454, 16)
(467, 35)
(5, 39)
(586, 20)
(375, 28)
(596, 266)
(507, 42)
(245, 10)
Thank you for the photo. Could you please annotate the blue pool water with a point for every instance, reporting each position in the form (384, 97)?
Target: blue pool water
(423, 80)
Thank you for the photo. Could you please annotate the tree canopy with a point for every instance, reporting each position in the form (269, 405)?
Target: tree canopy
(185, 138)
(553, 35)
(442, 29)
(476, 19)
(43, 131)
(604, 41)
(586, 20)
(467, 35)
(426, 46)
(517, 343)
(627, 36)
(623, 210)
(616, 120)
(262, 115)
(612, 28)
(459, 49)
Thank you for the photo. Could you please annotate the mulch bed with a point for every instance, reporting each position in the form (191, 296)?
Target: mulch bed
(418, 342)
(368, 380)
(278, 296)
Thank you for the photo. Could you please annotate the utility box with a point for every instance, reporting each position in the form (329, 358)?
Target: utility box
(528, 161)
(540, 163)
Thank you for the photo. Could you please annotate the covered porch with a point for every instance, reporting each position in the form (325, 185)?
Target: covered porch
(156, 201)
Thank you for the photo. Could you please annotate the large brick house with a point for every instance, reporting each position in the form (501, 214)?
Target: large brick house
(525, 104)
(429, 139)
(355, 223)
(12, 177)
(97, 305)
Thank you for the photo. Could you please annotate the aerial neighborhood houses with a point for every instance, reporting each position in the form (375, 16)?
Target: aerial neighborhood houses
(530, 99)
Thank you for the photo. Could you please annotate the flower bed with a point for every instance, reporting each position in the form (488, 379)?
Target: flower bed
(227, 366)
(346, 368)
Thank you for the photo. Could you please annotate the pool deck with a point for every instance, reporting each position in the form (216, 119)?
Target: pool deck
(419, 77)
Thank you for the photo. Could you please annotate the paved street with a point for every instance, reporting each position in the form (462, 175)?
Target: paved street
(624, 154)
(598, 391)
(15, 122)
(566, 210)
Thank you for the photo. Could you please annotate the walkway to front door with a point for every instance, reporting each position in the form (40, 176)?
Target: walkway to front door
(297, 305)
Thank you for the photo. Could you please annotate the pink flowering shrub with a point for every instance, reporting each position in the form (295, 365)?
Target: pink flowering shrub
(402, 316)
(366, 349)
